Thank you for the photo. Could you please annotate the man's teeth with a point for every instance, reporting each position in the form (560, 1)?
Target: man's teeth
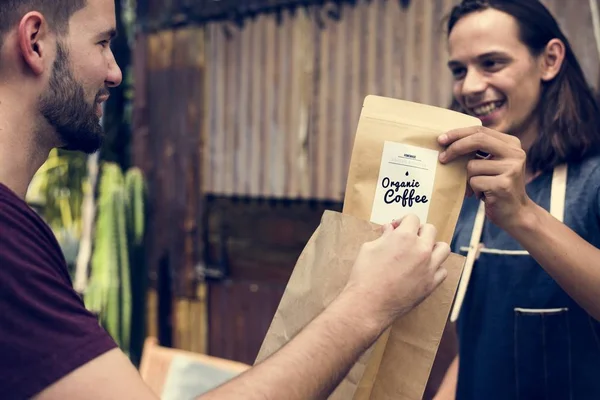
(486, 109)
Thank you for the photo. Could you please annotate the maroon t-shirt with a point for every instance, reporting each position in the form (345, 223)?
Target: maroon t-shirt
(45, 330)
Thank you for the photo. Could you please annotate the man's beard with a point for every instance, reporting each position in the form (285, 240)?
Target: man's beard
(65, 108)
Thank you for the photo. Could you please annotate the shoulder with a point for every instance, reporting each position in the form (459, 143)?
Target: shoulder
(27, 239)
(582, 205)
(583, 183)
(46, 330)
(587, 169)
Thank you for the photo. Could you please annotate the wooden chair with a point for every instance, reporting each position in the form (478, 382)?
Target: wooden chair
(156, 362)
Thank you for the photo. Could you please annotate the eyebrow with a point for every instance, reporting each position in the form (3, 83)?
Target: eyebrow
(455, 63)
(110, 33)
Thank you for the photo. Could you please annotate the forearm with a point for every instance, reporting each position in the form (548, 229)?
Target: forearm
(569, 259)
(312, 364)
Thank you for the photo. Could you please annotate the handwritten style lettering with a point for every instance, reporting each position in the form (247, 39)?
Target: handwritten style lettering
(407, 197)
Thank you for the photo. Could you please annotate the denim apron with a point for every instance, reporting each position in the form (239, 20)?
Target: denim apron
(520, 335)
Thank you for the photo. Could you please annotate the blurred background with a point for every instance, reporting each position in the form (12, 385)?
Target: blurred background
(230, 135)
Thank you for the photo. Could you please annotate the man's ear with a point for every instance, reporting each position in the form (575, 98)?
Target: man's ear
(552, 59)
(33, 39)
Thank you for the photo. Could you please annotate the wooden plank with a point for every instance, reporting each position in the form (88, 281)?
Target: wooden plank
(340, 46)
(152, 313)
(409, 59)
(372, 61)
(427, 70)
(348, 103)
(199, 320)
(234, 47)
(324, 112)
(327, 175)
(164, 147)
(246, 145)
(283, 100)
(182, 334)
(209, 122)
(219, 102)
(268, 167)
(315, 34)
(257, 75)
(155, 185)
(398, 18)
(355, 68)
(140, 137)
(388, 26)
(294, 106)
(442, 87)
(196, 101)
(230, 67)
(173, 130)
(241, 154)
(305, 108)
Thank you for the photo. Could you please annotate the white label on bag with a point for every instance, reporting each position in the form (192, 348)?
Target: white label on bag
(405, 184)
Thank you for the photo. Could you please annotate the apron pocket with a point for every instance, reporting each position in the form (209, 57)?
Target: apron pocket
(542, 353)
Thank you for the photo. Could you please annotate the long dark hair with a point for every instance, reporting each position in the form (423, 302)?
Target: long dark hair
(569, 120)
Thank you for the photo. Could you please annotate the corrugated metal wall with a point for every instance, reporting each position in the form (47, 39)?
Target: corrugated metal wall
(284, 99)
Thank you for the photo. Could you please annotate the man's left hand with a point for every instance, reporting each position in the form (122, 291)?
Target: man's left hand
(499, 180)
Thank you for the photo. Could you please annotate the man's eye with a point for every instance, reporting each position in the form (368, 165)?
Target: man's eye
(458, 73)
(104, 43)
(491, 65)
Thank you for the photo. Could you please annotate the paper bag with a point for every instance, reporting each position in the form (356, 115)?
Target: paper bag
(394, 170)
(320, 274)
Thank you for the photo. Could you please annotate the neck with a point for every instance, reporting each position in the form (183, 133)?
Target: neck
(527, 138)
(21, 153)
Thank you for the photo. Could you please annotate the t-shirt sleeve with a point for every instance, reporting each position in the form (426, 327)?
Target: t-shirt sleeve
(45, 330)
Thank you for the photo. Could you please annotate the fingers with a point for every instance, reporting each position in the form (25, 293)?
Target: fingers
(440, 253)
(477, 168)
(439, 277)
(412, 224)
(460, 133)
(396, 222)
(428, 233)
(486, 184)
(487, 167)
(409, 224)
(387, 229)
(474, 142)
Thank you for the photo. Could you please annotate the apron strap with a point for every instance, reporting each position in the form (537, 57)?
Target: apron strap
(558, 192)
(557, 209)
(470, 261)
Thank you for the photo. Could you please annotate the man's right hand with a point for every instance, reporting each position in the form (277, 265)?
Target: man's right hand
(397, 271)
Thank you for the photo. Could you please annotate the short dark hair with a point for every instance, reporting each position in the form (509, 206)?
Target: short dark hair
(569, 114)
(56, 12)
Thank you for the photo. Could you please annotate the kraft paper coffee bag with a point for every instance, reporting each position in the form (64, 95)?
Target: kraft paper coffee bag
(394, 170)
(320, 274)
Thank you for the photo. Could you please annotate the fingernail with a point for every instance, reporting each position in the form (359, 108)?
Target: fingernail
(442, 156)
(443, 138)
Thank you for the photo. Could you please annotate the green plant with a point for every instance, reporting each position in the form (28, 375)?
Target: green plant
(118, 239)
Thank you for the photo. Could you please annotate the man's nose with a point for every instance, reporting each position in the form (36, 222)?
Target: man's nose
(115, 76)
(473, 83)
